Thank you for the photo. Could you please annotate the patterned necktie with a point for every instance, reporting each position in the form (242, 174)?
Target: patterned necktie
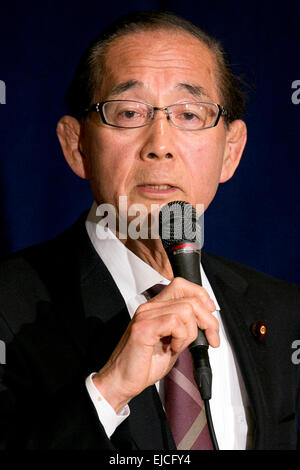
(185, 408)
(183, 403)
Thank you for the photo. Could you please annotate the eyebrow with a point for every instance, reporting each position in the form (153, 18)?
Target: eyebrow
(124, 86)
(195, 90)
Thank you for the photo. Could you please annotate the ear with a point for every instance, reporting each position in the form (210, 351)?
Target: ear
(235, 143)
(68, 133)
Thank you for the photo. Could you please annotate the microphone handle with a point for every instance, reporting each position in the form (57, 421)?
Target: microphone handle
(186, 264)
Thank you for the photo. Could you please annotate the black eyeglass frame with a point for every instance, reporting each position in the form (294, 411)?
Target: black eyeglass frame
(98, 107)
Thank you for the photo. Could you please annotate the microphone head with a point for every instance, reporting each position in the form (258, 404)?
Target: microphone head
(179, 226)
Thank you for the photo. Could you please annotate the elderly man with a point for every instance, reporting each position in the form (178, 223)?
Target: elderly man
(154, 117)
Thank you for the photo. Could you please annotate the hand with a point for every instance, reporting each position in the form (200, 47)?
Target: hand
(159, 331)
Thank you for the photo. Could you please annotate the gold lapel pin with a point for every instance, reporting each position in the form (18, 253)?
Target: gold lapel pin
(259, 329)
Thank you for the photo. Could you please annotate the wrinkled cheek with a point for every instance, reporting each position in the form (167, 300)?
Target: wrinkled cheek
(109, 181)
(205, 174)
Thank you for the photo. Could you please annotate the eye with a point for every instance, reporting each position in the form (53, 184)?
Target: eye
(122, 116)
(189, 116)
(128, 114)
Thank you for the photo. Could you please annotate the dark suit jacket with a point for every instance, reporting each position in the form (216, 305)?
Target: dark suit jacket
(61, 316)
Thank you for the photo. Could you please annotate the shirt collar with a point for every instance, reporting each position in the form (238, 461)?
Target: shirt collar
(131, 274)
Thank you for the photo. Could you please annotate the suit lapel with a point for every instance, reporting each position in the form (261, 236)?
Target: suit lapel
(85, 292)
(238, 313)
(106, 319)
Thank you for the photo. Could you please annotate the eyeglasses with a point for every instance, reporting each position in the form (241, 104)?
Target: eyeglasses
(131, 114)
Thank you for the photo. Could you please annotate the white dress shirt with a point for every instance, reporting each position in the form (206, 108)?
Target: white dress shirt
(229, 404)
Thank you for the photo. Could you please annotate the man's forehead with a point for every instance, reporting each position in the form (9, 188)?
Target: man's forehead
(128, 57)
(163, 44)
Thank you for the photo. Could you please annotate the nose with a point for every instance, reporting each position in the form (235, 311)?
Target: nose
(159, 139)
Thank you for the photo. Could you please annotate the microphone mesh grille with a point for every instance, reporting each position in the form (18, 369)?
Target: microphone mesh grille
(178, 222)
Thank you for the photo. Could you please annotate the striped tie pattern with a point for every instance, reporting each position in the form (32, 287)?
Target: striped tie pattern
(183, 404)
(184, 407)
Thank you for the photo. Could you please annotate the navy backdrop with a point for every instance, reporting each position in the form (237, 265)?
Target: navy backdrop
(254, 218)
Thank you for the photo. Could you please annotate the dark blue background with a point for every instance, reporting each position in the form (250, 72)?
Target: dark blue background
(255, 216)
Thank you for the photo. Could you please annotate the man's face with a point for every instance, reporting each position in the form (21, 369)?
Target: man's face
(161, 68)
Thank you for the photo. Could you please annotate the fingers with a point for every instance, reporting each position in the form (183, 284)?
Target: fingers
(179, 326)
(179, 288)
(189, 309)
(192, 314)
(191, 303)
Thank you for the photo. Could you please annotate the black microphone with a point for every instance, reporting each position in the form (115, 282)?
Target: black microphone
(181, 237)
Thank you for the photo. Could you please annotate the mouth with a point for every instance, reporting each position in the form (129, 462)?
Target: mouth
(157, 188)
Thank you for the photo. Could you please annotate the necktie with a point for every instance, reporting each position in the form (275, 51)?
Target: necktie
(183, 403)
(185, 408)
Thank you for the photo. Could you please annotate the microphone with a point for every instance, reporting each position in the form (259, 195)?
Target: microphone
(181, 237)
